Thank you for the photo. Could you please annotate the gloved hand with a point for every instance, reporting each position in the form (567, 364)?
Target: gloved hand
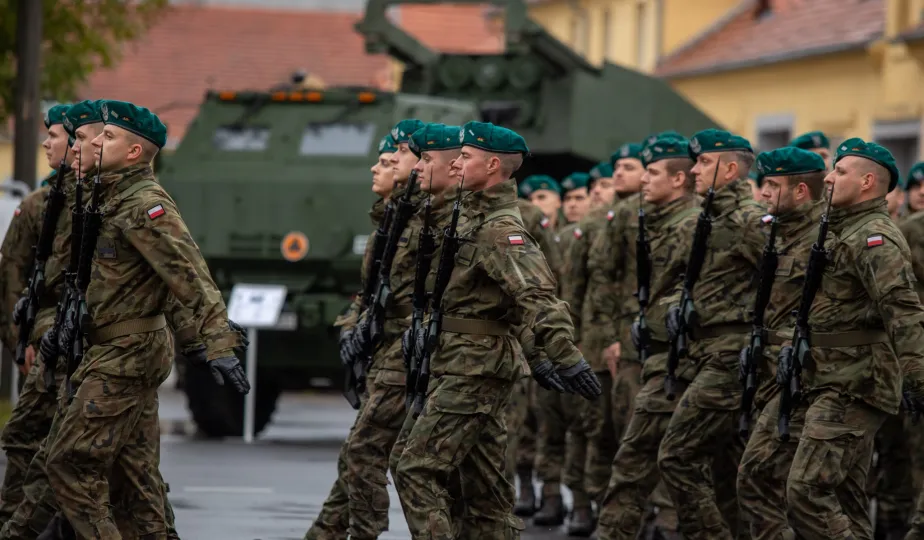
(783, 360)
(673, 322)
(245, 342)
(19, 310)
(229, 369)
(743, 364)
(638, 335)
(356, 346)
(346, 338)
(48, 347)
(66, 333)
(545, 375)
(580, 379)
(912, 406)
(408, 338)
(195, 354)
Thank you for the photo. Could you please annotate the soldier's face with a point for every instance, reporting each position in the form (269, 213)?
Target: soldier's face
(55, 145)
(704, 170)
(403, 162)
(434, 170)
(602, 192)
(778, 194)
(656, 183)
(848, 179)
(915, 197)
(83, 148)
(122, 148)
(546, 200)
(383, 176)
(474, 167)
(628, 176)
(576, 204)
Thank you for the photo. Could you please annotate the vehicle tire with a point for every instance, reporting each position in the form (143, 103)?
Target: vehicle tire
(218, 411)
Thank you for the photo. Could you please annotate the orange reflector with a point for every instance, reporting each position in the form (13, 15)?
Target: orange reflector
(314, 96)
(296, 96)
(278, 96)
(366, 97)
(226, 96)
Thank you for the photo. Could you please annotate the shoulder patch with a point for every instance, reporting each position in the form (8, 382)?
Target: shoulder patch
(610, 215)
(873, 241)
(17, 211)
(544, 222)
(578, 232)
(767, 219)
(516, 240)
(156, 211)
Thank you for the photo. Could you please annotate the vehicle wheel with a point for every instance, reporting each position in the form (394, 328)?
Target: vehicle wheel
(219, 411)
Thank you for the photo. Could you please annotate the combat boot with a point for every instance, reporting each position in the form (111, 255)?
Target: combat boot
(59, 528)
(526, 504)
(581, 523)
(551, 513)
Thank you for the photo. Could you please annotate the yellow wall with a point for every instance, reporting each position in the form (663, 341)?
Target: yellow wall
(683, 20)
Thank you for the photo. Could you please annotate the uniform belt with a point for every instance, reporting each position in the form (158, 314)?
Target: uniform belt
(50, 298)
(658, 347)
(400, 311)
(112, 331)
(832, 340)
(719, 330)
(458, 325)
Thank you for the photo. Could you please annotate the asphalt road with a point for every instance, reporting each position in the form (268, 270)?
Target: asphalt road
(271, 489)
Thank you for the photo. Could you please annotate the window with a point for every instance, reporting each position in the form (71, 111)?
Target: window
(344, 139)
(772, 131)
(241, 139)
(772, 139)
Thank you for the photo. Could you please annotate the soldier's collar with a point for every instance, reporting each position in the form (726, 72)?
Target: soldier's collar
(840, 215)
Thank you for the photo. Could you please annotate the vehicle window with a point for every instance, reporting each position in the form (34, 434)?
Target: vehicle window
(241, 139)
(342, 139)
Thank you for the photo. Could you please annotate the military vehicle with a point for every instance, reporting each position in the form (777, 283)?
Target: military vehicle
(274, 185)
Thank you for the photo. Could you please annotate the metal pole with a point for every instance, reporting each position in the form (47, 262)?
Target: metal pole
(250, 398)
(26, 102)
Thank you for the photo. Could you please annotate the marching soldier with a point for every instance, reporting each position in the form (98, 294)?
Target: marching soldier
(814, 141)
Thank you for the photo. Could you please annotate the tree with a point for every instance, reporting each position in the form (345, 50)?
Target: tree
(78, 37)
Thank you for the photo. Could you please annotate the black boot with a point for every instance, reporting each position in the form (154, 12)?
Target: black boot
(581, 523)
(551, 513)
(58, 529)
(526, 504)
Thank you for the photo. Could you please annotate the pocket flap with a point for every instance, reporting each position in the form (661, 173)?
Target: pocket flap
(460, 403)
(106, 407)
(822, 430)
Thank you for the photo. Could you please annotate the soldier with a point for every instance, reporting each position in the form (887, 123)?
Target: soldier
(913, 187)
(814, 141)
(670, 208)
(576, 201)
(897, 203)
(334, 519)
(793, 184)
(754, 180)
(703, 424)
(31, 417)
(545, 193)
(499, 280)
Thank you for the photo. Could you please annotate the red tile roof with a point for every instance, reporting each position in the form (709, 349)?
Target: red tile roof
(792, 29)
(453, 28)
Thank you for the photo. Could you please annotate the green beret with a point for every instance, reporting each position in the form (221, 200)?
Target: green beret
(915, 175)
(492, 138)
(576, 180)
(402, 131)
(668, 147)
(669, 134)
(536, 182)
(138, 120)
(81, 114)
(789, 161)
(434, 137)
(387, 145)
(601, 170)
(810, 140)
(717, 140)
(55, 115)
(628, 150)
(871, 151)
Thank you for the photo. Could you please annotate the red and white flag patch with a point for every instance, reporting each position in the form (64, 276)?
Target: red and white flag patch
(156, 211)
(515, 240)
(544, 223)
(17, 211)
(874, 241)
(578, 232)
(610, 215)
(767, 219)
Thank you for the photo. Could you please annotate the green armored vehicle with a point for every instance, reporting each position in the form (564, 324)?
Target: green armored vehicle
(275, 185)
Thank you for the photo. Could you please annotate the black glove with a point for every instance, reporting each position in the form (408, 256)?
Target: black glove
(420, 344)
(196, 354)
(346, 338)
(636, 332)
(673, 322)
(580, 379)
(785, 352)
(544, 373)
(19, 310)
(229, 369)
(407, 347)
(66, 334)
(48, 347)
(743, 364)
(245, 342)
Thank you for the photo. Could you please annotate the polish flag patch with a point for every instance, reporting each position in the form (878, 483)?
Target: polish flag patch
(515, 240)
(544, 223)
(156, 211)
(578, 232)
(874, 241)
(610, 215)
(17, 211)
(767, 219)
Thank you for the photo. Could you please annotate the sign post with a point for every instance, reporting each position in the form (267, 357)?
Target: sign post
(254, 307)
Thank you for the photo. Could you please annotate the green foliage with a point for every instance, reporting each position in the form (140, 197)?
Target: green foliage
(78, 36)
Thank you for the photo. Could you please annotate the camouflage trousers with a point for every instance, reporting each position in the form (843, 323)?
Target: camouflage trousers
(553, 418)
(900, 450)
(917, 520)
(704, 425)
(461, 433)
(529, 431)
(580, 412)
(515, 417)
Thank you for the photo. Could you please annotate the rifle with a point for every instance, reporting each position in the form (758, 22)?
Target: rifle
(755, 349)
(643, 279)
(793, 357)
(443, 273)
(426, 245)
(688, 315)
(54, 204)
(81, 319)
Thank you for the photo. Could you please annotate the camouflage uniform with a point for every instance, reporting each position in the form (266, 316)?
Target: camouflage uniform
(761, 486)
(826, 487)
(111, 424)
(462, 426)
(634, 474)
(704, 423)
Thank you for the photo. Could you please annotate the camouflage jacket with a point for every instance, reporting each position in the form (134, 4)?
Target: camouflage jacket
(501, 275)
(868, 285)
(539, 227)
(796, 233)
(724, 294)
(912, 227)
(348, 319)
(143, 254)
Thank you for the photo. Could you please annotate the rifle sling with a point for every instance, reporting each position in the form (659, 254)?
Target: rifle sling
(719, 330)
(833, 340)
(481, 327)
(98, 336)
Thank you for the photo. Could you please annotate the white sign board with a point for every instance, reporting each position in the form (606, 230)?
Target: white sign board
(256, 306)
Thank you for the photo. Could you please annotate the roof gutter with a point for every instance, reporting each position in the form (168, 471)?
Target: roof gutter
(787, 56)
